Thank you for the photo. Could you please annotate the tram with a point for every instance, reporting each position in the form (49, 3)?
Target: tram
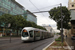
(33, 34)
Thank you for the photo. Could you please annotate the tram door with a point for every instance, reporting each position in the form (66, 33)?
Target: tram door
(31, 33)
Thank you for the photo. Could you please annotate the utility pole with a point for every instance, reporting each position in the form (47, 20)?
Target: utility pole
(61, 23)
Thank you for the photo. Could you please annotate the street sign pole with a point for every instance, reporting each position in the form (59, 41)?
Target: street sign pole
(10, 35)
(10, 31)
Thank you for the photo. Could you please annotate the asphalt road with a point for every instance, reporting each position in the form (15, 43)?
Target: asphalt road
(17, 44)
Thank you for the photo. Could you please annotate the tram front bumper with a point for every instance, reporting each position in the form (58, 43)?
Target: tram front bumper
(25, 38)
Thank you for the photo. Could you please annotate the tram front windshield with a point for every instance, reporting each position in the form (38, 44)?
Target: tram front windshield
(24, 33)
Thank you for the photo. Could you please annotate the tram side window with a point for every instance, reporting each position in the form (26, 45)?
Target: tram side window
(31, 33)
(37, 33)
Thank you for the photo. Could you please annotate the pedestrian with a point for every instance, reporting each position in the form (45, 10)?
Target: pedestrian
(66, 36)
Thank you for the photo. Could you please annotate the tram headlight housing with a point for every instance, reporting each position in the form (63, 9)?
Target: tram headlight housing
(27, 37)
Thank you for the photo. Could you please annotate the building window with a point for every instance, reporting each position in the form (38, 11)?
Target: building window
(72, 0)
(72, 5)
(73, 27)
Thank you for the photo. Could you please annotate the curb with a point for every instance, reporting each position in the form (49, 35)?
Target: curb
(48, 46)
(68, 46)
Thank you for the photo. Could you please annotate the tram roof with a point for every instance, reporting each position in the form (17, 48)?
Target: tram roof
(31, 28)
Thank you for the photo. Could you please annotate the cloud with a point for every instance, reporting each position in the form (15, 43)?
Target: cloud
(45, 20)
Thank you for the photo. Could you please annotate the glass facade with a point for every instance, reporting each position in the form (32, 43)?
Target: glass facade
(31, 17)
(14, 8)
(10, 7)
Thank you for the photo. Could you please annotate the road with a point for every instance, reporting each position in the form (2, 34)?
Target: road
(70, 42)
(17, 44)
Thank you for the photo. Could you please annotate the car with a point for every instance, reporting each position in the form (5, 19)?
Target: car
(73, 37)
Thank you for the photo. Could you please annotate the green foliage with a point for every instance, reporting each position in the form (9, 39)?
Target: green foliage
(58, 33)
(59, 39)
(55, 14)
(17, 22)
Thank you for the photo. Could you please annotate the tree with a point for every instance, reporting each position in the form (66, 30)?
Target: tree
(17, 22)
(55, 14)
(5, 19)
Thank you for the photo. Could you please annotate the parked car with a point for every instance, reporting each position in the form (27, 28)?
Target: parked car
(73, 37)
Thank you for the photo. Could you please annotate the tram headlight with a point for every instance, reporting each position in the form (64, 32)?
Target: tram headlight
(27, 37)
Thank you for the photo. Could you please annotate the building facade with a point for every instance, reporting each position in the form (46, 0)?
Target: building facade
(71, 4)
(71, 7)
(11, 7)
(14, 8)
(31, 17)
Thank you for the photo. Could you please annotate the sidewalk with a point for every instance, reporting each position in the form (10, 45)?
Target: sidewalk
(7, 38)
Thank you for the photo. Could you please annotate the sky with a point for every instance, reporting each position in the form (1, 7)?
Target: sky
(43, 5)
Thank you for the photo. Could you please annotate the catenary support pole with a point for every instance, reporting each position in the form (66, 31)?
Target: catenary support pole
(61, 23)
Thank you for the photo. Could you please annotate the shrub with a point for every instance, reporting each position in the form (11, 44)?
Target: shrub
(58, 39)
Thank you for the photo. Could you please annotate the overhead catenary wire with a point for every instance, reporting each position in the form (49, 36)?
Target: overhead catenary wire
(43, 11)
(48, 7)
(41, 8)
(35, 6)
